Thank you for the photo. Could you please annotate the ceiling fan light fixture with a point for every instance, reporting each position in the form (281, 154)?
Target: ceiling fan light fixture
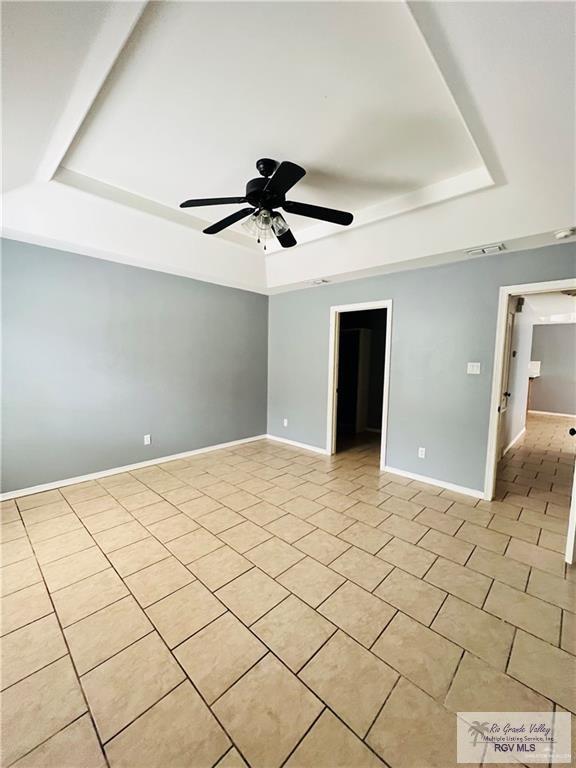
(261, 226)
(258, 223)
(279, 225)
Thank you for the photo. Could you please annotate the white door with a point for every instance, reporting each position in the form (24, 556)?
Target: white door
(505, 383)
(334, 374)
(571, 536)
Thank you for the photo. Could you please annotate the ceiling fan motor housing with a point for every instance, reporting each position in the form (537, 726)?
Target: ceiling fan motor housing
(258, 197)
(266, 166)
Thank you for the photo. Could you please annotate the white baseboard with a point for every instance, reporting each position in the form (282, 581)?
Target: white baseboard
(126, 468)
(296, 444)
(208, 449)
(432, 481)
(513, 443)
(553, 413)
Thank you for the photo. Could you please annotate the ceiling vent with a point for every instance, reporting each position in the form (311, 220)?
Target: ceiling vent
(562, 234)
(486, 250)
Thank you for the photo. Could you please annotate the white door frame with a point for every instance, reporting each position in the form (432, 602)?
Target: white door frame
(333, 355)
(506, 291)
(570, 553)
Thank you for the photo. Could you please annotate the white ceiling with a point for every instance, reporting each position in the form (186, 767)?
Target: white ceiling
(205, 89)
(552, 308)
(403, 114)
(68, 30)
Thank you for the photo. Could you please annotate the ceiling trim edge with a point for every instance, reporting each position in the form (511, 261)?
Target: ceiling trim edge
(454, 186)
(33, 238)
(101, 58)
(110, 45)
(92, 186)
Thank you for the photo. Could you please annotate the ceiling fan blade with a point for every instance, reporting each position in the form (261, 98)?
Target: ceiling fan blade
(228, 220)
(286, 175)
(319, 212)
(212, 201)
(286, 239)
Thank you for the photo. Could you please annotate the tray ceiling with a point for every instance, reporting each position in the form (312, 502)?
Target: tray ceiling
(433, 122)
(202, 90)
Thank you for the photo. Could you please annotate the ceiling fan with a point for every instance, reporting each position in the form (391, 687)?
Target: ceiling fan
(264, 195)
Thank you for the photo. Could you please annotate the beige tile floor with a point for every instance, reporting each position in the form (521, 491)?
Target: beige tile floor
(267, 606)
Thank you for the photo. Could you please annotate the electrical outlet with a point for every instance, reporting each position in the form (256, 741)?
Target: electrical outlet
(473, 369)
(147, 439)
(285, 422)
(421, 453)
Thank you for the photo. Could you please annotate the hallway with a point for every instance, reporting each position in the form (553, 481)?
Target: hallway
(540, 468)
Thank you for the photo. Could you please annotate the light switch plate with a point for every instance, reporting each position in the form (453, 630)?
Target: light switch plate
(147, 439)
(473, 368)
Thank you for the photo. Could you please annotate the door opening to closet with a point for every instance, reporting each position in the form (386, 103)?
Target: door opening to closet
(360, 378)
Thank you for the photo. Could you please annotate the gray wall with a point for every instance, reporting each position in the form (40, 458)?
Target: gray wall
(442, 317)
(98, 354)
(555, 389)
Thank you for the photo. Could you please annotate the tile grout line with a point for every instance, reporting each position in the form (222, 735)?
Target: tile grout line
(172, 656)
(30, 674)
(270, 650)
(69, 655)
(378, 713)
(60, 730)
(306, 732)
(187, 678)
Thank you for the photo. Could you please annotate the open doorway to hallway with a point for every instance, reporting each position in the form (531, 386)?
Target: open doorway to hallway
(538, 472)
(539, 366)
(532, 441)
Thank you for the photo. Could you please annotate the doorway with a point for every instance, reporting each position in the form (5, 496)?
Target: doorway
(505, 416)
(358, 377)
(518, 377)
